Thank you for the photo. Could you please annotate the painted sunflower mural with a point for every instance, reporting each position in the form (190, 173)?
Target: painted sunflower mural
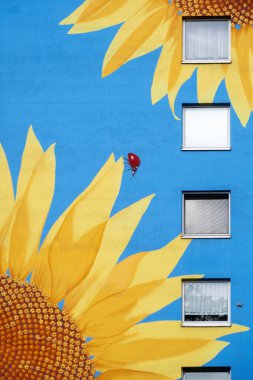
(150, 24)
(104, 300)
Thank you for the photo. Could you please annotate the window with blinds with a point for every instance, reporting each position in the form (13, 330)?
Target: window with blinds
(206, 127)
(206, 302)
(206, 214)
(211, 373)
(206, 40)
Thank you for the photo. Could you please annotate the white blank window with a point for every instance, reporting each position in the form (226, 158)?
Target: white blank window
(206, 302)
(212, 374)
(206, 40)
(206, 214)
(206, 127)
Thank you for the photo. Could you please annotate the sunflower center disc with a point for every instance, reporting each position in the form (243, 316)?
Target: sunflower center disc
(37, 340)
(240, 11)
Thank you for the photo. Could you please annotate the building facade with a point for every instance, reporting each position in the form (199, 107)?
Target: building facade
(159, 287)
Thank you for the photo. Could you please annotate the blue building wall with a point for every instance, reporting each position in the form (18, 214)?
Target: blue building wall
(52, 80)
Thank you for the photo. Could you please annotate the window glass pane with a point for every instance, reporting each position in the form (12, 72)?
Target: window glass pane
(206, 127)
(206, 214)
(207, 376)
(206, 40)
(206, 301)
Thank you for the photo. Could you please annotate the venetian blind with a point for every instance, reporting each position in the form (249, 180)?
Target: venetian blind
(206, 214)
(207, 376)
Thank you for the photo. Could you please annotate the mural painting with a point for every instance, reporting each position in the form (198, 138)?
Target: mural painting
(148, 25)
(76, 300)
(103, 300)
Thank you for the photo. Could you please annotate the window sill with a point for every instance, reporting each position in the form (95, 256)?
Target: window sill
(224, 236)
(206, 324)
(206, 149)
(208, 61)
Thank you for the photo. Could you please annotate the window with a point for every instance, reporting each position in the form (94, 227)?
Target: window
(206, 302)
(207, 373)
(206, 127)
(206, 214)
(206, 40)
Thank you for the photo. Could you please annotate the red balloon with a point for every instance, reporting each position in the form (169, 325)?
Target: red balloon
(134, 162)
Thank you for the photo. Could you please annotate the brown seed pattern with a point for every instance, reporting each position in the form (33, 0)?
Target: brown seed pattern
(240, 11)
(38, 340)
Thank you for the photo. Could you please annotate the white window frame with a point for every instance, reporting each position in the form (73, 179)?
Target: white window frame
(198, 19)
(207, 323)
(205, 369)
(206, 105)
(206, 236)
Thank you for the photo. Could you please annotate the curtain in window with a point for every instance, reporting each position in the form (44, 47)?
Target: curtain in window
(207, 376)
(206, 301)
(206, 214)
(206, 40)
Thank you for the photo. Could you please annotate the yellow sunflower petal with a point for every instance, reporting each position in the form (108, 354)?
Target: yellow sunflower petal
(161, 36)
(174, 86)
(95, 15)
(161, 76)
(118, 232)
(144, 267)
(250, 81)
(154, 41)
(163, 331)
(5, 237)
(130, 306)
(70, 261)
(131, 351)
(42, 274)
(235, 87)
(131, 375)
(6, 189)
(162, 72)
(74, 249)
(173, 347)
(242, 41)
(31, 215)
(178, 72)
(102, 172)
(169, 366)
(134, 33)
(102, 8)
(209, 78)
(32, 153)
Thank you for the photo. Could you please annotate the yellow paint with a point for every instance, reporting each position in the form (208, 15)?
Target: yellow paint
(149, 24)
(78, 261)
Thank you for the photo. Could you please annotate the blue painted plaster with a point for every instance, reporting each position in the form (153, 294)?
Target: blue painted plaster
(53, 80)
